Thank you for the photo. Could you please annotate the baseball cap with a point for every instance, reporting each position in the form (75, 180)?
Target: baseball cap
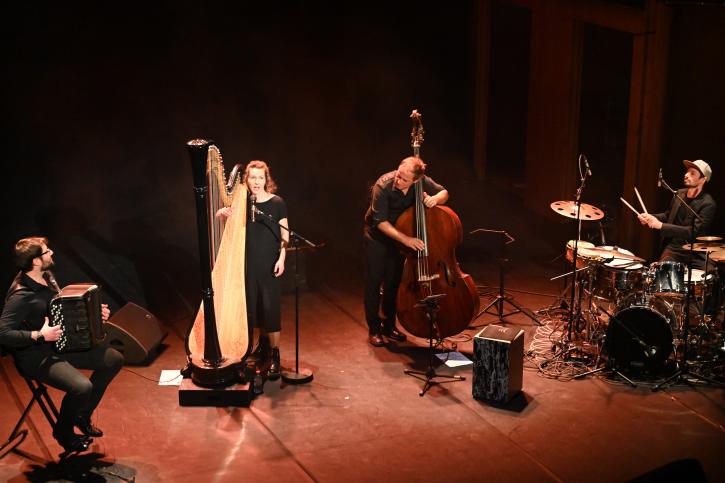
(701, 166)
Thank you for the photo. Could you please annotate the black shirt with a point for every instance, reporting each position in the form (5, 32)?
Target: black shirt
(264, 236)
(677, 220)
(26, 306)
(388, 203)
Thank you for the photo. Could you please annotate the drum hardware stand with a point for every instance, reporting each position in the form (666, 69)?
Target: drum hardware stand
(298, 376)
(430, 305)
(609, 365)
(684, 369)
(502, 297)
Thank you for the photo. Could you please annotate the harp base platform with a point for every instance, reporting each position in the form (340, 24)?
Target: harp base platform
(236, 395)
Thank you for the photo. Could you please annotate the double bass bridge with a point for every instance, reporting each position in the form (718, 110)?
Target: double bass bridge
(428, 278)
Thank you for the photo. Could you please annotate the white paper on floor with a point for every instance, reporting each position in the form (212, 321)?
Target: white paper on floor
(454, 359)
(170, 377)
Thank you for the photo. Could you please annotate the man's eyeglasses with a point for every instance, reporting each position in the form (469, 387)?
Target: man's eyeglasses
(47, 251)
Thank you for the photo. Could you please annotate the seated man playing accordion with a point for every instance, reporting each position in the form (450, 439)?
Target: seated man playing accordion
(25, 331)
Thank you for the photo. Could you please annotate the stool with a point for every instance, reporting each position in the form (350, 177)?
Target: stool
(42, 398)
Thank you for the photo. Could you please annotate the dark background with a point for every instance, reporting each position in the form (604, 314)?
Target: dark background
(99, 101)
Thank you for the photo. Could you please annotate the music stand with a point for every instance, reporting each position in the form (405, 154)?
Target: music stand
(502, 297)
(430, 305)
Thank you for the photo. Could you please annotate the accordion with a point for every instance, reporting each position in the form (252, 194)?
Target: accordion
(77, 310)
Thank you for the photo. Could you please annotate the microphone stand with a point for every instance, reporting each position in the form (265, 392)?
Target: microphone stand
(684, 368)
(575, 311)
(299, 376)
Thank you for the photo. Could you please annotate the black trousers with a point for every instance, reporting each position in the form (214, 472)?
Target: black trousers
(61, 372)
(683, 256)
(383, 267)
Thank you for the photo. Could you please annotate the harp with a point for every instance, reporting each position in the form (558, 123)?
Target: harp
(218, 341)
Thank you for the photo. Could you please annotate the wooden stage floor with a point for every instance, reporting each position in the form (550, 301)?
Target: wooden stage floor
(361, 419)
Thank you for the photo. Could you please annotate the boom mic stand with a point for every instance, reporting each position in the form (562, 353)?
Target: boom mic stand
(575, 312)
(299, 376)
(430, 305)
(684, 369)
(502, 297)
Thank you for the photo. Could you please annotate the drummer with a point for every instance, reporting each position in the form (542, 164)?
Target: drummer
(675, 224)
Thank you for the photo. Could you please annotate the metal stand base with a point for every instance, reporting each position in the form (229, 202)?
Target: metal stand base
(499, 301)
(611, 371)
(429, 377)
(680, 376)
(302, 376)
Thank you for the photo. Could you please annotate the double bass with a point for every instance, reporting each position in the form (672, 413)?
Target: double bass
(433, 270)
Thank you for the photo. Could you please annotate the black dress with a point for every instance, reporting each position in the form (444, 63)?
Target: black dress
(264, 290)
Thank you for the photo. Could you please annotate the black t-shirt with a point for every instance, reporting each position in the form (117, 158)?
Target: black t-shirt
(387, 202)
(264, 236)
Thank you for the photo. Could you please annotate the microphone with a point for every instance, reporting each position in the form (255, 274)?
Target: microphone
(254, 206)
(659, 179)
(586, 165)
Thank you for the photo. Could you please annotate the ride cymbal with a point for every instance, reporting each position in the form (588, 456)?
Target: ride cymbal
(718, 256)
(705, 247)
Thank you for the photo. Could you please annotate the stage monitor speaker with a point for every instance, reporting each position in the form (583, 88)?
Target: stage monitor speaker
(135, 333)
(498, 363)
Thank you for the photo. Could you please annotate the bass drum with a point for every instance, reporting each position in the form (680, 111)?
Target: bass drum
(640, 335)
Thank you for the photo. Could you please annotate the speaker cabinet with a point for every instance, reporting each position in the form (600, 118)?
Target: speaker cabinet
(135, 333)
(498, 363)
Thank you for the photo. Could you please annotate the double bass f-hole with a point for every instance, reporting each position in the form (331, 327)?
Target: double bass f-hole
(450, 280)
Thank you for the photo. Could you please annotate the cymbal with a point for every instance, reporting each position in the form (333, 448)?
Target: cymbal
(705, 247)
(612, 254)
(718, 256)
(586, 212)
(708, 239)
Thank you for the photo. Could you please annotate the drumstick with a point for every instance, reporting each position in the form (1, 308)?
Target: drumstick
(630, 206)
(644, 208)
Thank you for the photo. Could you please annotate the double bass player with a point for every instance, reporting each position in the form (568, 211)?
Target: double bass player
(391, 196)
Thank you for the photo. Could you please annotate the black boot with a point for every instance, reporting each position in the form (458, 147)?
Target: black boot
(261, 352)
(84, 424)
(376, 339)
(275, 366)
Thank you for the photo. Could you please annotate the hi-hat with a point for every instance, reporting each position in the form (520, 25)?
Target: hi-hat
(705, 247)
(586, 212)
(709, 239)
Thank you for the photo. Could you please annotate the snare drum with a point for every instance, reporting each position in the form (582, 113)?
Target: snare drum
(583, 256)
(618, 277)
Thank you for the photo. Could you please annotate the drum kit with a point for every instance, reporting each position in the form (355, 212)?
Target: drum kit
(633, 313)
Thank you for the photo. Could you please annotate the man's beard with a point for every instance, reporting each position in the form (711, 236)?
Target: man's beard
(47, 265)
